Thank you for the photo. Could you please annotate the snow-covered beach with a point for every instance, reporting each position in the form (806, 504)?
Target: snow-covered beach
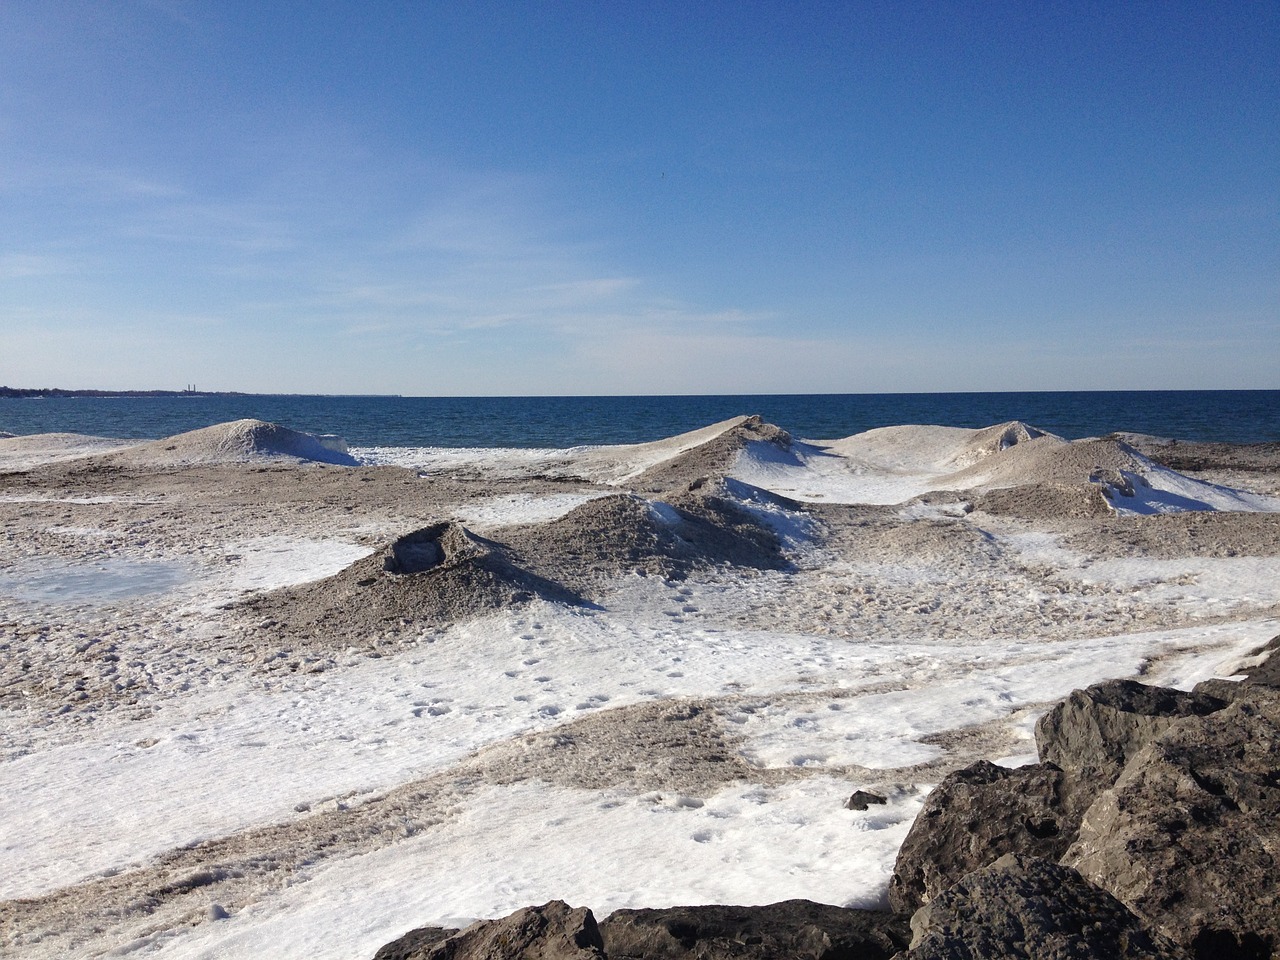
(624, 676)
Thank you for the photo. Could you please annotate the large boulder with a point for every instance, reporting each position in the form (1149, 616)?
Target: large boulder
(1189, 836)
(1093, 732)
(1267, 672)
(415, 943)
(553, 931)
(977, 815)
(1023, 908)
(791, 930)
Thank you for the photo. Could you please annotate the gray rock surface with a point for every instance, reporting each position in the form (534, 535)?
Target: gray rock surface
(798, 929)
(1267, 673)
(863, 799)
(1021, 907)
(553, 931)
(1093, 732)
(977, 815)
(1189, 836)
(413, 943)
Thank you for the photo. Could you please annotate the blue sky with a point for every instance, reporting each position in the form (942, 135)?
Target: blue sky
(600, 198)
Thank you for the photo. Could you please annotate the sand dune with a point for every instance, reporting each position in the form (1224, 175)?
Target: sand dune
(880, 466)
(679, 460)
(429, 578)
(237, 442)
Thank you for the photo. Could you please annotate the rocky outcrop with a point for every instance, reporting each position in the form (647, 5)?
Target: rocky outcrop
(1168, 801)
(1024, 908)
(798, 929)
(553, 931)
(1094, 732)
(415, 943)
(1189, 836)
(975, 816)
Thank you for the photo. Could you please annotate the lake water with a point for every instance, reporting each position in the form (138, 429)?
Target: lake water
(1232, 415)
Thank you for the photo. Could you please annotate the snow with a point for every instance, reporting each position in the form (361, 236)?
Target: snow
(1159, 490)
(823, 712)
(532, 843)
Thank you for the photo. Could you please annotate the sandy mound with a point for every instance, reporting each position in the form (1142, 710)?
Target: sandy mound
(715, 457)
(616, 464)
(33, 450)
(1186, 534)
(610, 536)
(1184, 456)
(433, 576)
(237, 442)
(1049, 460)
(1046, 501)
(930, 449)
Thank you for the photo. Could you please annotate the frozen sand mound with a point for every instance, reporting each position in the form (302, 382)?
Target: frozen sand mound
(444, 573)
(1010, 468)
(434, 576)
(32, 450)
(239, 441)
(910, 450)
(610, 536)
(679, 460)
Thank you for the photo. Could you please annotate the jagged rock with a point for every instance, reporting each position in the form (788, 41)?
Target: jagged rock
(976, 815)
(1022, 908)
(1267, 673)
(1093, 732)
(1189, 836)
(553, 931)
(791, 930)
(862, 799)
(413, 943)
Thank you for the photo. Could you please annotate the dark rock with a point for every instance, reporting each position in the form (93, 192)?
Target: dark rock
(1267, 673)
(1224, 690)
(553, 931)
(413, 943)
(862, 799)
(977, 815)
(1093, 732)
(1189, 836)
(1021, 907)
(798, 929)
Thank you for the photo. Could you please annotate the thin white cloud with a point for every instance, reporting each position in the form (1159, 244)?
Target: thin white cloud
(14, 266)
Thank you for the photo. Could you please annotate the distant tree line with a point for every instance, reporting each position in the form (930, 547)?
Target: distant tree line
(58, 392)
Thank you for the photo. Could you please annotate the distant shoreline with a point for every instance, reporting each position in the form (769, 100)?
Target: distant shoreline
(21, 393)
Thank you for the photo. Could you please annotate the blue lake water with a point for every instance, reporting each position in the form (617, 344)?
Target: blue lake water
(1231, 415)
